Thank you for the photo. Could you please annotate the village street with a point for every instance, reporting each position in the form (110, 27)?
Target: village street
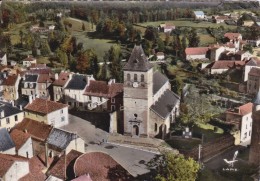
(131, 159)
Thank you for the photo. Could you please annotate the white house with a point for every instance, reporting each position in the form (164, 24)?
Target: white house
(253, 62)
(23, 143)
(242, 118)
(13, 168)
(196, 53)
(27, 62)
(199, 14)
(46, 111)
(160, 56)
(3, 58)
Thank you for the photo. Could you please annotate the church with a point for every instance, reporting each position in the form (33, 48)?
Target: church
(149, 104)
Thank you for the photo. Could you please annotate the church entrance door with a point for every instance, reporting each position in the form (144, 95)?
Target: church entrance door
(135, 130)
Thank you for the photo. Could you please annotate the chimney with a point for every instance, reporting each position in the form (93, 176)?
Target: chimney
(12, 102)
(2, 113)
(46, 155)
(21, 107)
(30, 99)
(111, 81)
(56, 76)
(25, 130)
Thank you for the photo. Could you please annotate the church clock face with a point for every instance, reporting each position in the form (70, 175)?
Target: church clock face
(135, 84)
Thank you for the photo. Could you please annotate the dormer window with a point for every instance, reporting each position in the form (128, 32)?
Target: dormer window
(25, 85)
(31, 85)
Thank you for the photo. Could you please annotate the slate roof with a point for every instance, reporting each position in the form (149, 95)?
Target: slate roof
(10, 80)
(158, 81)
(36, 129)
(8, 109)
(19, 138)
(99, 166)
(58, 170)
(23, 100)
(257, 99)
(138, 61)
(44, 106)
(60, 138)
(2, 54)
(254, 72)
(6, 141)
(77, 82)
(165, 104)
(62, 79)
(198, 12)
(30, 78)
(254, 61)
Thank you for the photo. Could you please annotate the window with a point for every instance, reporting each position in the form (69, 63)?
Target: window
(113, 100)
(16, 118)
(89, 98)
(7, 120)
(61, 111)
(249, 134)
(62, 119)
(81, 104)
(135, 77)
(113, 108)
(142, 78)
(155, 127)
(128, 77)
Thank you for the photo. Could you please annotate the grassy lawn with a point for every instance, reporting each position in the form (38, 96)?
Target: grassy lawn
(77, 25)
(206, 39)
(209, 135)
(43, 60)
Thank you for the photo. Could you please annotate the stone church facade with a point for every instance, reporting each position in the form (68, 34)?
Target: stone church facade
(254, 154)
(149, 104)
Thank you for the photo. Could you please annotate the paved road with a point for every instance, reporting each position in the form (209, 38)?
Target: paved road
(129, 158)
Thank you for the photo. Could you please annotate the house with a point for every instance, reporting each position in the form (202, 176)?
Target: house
(75, 88)
(223, 66)
(149, 104)
(64, 170)
(217, 50)
(199, 14)
(10, 87)
(241, 117)
(3, 58)
(47, 111)
(9, 115)
(100, 166)
(248, 23)
(13, 167)
(253, 82)
(7, 145)
(51, 27)
(219, 19)
(100, 95)
(29, 60)
(196, 53)
(61, 141)
(233, 36)
(239, 55)
(38, 131)
(160, 56)
(23, 143)
(44, 82)
(254, 43)
(59, 84)
(29, 84)
(253, 62)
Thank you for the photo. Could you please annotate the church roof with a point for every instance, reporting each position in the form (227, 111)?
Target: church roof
(138, 61)
(158, 81)
(165, 104)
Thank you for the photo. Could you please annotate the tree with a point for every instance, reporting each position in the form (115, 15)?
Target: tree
(151, 33)
(183, 45)
(248, 47)
(193, 38)
(103, 74)
(62, 57)
(173, 167)
(21, 34)
(114, 56)
(45, 49)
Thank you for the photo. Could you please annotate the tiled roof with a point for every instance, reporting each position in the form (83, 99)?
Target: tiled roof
(102, 89)
(232, 36)
(36, 129)
(138, 60)
(58, 170)
(165, 103)
(196, 50)
(77, 82)
(60, 139)
(43, 78)
(38, 66)
(255, 71)
(40, 71)
(222, 17)
(29, 58)
(44, 106)
(100, 167)
(10, 80)
(6, 141)
(8, 109)
(63, 78)
(242, 110)
(222, 64)
(19, 137)
(7, 161)
(158, 81)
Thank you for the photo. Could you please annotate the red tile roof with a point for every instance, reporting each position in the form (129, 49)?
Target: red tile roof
(222, 17)
(36, 129)
(232, 36)
(43, 106)
(19, 137)
(63, 78)
(38, 66)
(7, 161)
(29, 58)
(58, 170)
(43, 78)
(102, 89)
(100, 167)
(254, 72)
(196, 50)
(242, 110)
(10, 80)
(223, 64)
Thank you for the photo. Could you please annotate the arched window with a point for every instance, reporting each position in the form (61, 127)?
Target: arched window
(135, 77)
(142, 78)
(128, 77)
(155, 127)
